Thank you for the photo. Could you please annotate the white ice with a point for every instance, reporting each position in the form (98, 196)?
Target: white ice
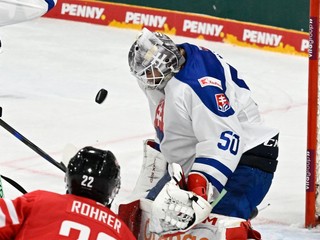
(51, 70)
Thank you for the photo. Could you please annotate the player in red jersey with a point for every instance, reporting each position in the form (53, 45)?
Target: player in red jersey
(92, 179)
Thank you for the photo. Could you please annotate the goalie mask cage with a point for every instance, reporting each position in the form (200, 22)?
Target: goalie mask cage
(312, 213)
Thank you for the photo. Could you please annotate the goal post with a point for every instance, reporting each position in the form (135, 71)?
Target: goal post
(312, 207)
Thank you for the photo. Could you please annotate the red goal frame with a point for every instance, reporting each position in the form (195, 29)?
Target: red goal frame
(311, 215)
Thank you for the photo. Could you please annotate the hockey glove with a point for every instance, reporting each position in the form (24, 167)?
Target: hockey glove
(176, 210)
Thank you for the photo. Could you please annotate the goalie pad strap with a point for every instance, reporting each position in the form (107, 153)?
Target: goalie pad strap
(153, 144)
(243, 232)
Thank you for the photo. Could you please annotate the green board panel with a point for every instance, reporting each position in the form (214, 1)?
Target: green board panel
(289, 14)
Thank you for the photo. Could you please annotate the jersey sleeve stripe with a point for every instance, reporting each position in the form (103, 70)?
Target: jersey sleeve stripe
(2, 218)
(216, 172)
(204, 163)
(213, 172)
(236, 79)
(12, 211)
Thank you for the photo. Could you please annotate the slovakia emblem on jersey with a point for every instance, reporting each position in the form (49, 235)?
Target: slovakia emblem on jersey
(222, 102)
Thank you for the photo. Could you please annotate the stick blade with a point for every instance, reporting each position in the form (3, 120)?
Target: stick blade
(68, 152)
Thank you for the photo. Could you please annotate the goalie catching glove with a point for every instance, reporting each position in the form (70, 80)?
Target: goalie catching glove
(176, 210)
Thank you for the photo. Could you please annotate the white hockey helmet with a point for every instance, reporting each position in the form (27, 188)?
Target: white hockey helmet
(154, 59)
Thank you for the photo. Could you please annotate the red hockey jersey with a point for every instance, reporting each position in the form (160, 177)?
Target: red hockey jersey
(46, 215)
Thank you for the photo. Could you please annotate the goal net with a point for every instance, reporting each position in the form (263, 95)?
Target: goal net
(312, 215)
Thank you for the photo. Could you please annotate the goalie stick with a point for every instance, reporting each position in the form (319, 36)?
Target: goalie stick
(31, 145)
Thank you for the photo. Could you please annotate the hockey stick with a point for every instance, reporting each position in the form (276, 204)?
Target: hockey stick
(14, 184)
(1, 189)
(30, 144)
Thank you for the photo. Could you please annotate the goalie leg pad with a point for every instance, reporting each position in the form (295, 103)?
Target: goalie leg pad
(175, 172)
(153, 168)
(230, 228)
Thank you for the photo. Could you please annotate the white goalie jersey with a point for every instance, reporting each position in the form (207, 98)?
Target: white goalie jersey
(206, 119)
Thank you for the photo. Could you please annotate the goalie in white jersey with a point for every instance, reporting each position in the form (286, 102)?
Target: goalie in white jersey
(207, 122)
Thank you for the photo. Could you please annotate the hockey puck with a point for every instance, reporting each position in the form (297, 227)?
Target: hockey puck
(101, 96)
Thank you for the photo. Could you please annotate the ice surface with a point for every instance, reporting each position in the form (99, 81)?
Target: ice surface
(51, 71)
